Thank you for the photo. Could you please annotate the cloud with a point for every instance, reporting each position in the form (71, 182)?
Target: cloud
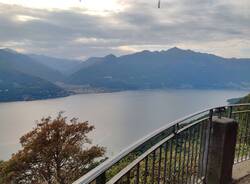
(25, 18)
(218, 26)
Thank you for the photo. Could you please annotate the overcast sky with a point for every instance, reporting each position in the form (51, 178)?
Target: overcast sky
(81, 29)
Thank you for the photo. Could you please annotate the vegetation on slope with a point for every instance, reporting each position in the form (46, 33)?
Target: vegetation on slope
(17, 86)
(246, 99)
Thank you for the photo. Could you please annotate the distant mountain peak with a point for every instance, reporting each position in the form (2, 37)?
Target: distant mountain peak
(175, 49)
(145, 51)
(110, 56)
(9, 50)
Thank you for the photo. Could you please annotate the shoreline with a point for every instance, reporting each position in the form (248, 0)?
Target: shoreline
(103, 91)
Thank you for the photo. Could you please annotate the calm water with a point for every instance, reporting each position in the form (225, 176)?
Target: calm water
(120, 118)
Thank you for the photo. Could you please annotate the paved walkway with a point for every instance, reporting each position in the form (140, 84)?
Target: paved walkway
(241, 173)
(245, 180)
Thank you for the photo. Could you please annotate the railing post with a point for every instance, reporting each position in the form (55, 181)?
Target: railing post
(221, 151)
(101, 179)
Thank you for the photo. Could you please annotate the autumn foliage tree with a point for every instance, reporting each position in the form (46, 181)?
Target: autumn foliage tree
(55, 152)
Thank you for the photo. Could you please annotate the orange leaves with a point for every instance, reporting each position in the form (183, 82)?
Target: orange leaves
(53, 152)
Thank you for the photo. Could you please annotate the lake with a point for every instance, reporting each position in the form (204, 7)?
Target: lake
(120, 118)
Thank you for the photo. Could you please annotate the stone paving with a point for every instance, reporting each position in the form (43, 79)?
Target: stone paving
(245, 180)
(241, 173)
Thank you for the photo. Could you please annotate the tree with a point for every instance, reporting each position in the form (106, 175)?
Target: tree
(55, 152)
(1, 168)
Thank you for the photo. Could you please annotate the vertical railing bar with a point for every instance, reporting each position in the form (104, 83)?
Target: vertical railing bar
(238, 139)
(200, 150)
(101, 179)
(219, 111)
(230, 111)
(248, 138)
(184, 154)
(159, 166)
(153, 168)
(196, 152)
(128, 177)
(240, 136)
(210, 125)
(188, 157)
(146, 170)
(124, 179)
(170, 161)
(176, 137)
(245, 138)
(165, 162)
(192, 155)
(236, 118)
(247, 135)
(137, 173)
(180, 157)
(119, 181)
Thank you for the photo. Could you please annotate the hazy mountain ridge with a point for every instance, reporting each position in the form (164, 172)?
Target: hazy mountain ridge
(65, 66)
(21, 78)
(174, 68)
(25, 64)
(27, 77)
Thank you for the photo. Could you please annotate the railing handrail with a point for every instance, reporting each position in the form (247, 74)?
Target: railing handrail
(139, 159)
(94, 173)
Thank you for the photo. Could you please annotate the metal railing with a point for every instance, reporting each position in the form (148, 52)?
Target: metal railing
(242, 116)
(176, 153)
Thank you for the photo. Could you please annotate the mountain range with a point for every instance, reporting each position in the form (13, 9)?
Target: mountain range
(174, 68)
(27, 77)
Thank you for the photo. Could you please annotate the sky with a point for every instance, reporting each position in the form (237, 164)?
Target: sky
(84, 28)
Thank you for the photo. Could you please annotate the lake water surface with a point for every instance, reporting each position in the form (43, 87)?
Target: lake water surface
(119, 118)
